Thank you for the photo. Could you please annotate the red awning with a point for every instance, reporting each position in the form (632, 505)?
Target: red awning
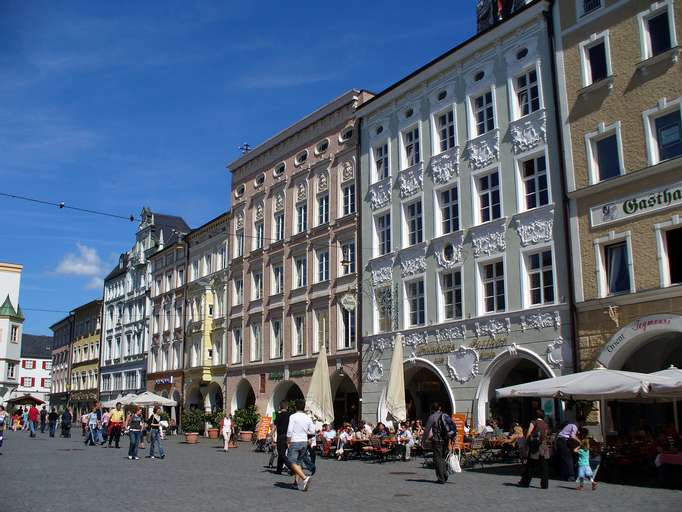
(25, 400)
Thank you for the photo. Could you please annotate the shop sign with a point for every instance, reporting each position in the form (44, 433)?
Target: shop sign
(165, 380)
(660, 198)
(276, 376)
(487, 355)
(436, 347)
(489, 343)
(349, 302)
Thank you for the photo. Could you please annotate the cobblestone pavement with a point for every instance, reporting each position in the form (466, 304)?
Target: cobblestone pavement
(62, 474)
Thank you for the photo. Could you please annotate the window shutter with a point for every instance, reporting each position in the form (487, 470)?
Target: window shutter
(23, 363)
(33, 381)
(44, 365)
(42, 381)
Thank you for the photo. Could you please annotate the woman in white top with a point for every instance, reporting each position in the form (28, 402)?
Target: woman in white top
(226, 430)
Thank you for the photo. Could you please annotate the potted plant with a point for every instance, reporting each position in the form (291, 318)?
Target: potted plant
(245, 421)
(192, 424)
(213, 420)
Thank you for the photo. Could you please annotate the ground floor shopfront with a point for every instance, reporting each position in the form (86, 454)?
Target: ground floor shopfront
(204, 388)
(168, 384)
(83, 401)
(124, 378)
(59, 400)
(266, 386)
(460, 365)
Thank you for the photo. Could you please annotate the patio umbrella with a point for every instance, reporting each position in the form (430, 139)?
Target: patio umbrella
(148, 398)
(111, 403)
(395, 393)
(25, 400)
(675, 374)
(319, 400)
(128, 399)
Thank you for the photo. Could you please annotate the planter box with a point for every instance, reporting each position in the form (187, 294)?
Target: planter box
(213, 433)
(191, 437)
(246, 436)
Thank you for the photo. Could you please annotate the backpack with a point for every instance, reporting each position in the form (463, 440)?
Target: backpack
(535, 439)
(444, 428)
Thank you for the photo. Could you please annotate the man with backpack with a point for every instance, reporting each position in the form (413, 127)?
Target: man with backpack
(440, 429)
(538, 451)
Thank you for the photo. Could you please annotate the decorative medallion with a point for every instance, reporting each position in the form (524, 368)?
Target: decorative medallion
(382, 275)
(528, 133)
(347, 172)
(413, 266)
(380, 194)
(349, 302)
(463, 364)
(540, 321)
(323, 182)
(375, 371)
(451, 333)
(554, 353)
(534, 232)
(259, 211)
(449, 255)
(411, 181)
(381, 343)
(302, 192)
(240, 220)
(415, 338)
(484, 150)
(445, 166)
(489, 243)
(279, 202)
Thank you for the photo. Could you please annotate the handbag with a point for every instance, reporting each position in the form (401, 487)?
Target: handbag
(452, 462)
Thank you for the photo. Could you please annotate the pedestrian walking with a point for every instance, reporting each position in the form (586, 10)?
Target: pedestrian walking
(154, 426)
(33, 419)
(441, 429)
(566, 442)
(584, 468)
(24, 419)
(301, 429)
(538, 451)
(91, 438)
(282, 424)
(134, 425)
(226, 429)
(52, 421)
(105, 426)
(4, 420)
(67, 420)
(116, 419)
(43, 419)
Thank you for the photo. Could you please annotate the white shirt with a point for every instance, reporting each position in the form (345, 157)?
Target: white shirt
(227, 426)
(300, 426)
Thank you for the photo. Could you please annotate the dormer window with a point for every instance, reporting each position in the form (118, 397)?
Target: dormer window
(408, 113)
(521, 54)
(302, 157)
(442, 95)
(346, 134)
(479, 76)
(279, 170)
(379, 130)
(260, 179)
(322, 146)
(239, 191)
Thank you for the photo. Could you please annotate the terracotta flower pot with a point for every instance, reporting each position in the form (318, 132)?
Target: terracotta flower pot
(232, 443)
(245, 436)
(191, 437)
(213, 433)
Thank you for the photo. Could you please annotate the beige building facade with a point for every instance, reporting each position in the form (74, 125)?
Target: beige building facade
(292, 284)
(85, 346)
(619, 86)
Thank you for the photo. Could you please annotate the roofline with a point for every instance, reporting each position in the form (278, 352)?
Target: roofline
(168, 247)
(68, 317)
(197, 229)
(445, 55)
(314, 116)
(86, 305)
(11, 267)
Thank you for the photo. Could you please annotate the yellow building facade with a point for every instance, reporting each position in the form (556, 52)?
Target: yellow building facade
(85, 356)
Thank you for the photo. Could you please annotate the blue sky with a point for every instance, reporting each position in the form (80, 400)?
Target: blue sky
(116, 105)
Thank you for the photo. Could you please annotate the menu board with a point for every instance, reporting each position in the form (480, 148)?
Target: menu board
(264, 427)
(459, 420)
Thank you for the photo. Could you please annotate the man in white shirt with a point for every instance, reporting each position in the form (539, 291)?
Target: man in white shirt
(301, 428)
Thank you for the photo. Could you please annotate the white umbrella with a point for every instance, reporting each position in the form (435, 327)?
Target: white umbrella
(128, 399)
(319, 400)
(675, 374)
(148, 398)
(395, 393)
(599, 384)
(111, 403)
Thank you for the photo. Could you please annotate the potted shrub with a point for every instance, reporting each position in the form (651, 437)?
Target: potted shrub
(245, 421)
(192, 424)
(213, 420)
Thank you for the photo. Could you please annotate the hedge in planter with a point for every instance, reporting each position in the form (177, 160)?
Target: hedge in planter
(246, 419)
(192, 421)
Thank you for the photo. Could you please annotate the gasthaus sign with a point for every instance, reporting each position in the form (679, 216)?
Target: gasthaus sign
(641, 204)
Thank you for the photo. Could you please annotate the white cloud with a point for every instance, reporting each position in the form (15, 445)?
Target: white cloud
(84, 263)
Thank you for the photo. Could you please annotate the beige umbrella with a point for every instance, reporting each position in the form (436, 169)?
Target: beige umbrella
(319, 400)
(395, 393)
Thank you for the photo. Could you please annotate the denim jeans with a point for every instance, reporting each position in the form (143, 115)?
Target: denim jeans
(91, 436)
(298, 454)
(134, 436)
(98, 436)
(53, 427)
(155, 440)
(32, 427)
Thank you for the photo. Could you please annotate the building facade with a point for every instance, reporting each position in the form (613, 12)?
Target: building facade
(292, 280)
(35, 371)
(166, 357)
(62, 336)
(85, 347)
(11, 322)
(462, 226)
(123, 361)
(621, 100)
(205, 334)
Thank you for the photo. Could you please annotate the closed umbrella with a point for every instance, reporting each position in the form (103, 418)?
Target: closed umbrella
(395, 394)
(319, 400)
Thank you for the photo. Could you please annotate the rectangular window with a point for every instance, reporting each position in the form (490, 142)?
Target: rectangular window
(348, 321)
(415, 223)
(607, 157)
(260, 235)
(322, 266)
(30, 364)
(322, 335)
(411, 146)
(11, 371)
(669, 135)
(452, 294)
(659, 33)
(416, 302)
(446, 130)
(540, 277)
(181, 277)
(257, 285)
(381, 161)
(384, 303)
(534, 178)
(27, 382)
(348, 199)
(590, 5)
(617, 268)
(596, 55)
(208, 264)
(673, 239)
(238, 291)
(14, 334)
(239, 244)
(449, 209)
(277, 348)
(195, 271)
(383, 227)
(348, 258)
(277, 279)
(301, 218)
(484, 113)
(279, 227)
(256, 343)
(489, 197)
(528, 92)
(237, 346)
(299, 335)
(493, 287)
(301, 272)
(322, 209)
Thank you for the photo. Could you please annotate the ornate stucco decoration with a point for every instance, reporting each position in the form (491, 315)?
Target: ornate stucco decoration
(492, 328)
(380, 194)
(347, 171)
(415, 338)
(445, 166)
(513, 350)
(240, 220)
(534, 231)
(411, 181)
(279, 202)
(488, 243)
(259, 211)
(449, 252)
(375, 371)
(540, 321)
(451, 333)
(463, 364)
(382, 275)
(301, 192)
(529, 132)
(413, 266)
(554, 353)
(381, 343)
(323, 182)
(484, 150)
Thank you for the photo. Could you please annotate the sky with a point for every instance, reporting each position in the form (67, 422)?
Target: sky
(113, 106)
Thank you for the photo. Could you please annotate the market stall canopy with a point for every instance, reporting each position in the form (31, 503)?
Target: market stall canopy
(598, 384)
(25, 400)
(319, 400)
(148, 399)
(395, 393)
(674, 389)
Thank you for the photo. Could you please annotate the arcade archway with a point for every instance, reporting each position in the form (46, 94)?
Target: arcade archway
(244, 396)
(285, 391)
(425, 385)
(346, 399)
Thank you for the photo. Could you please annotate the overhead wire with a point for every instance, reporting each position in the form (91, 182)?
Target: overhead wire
(62, 205)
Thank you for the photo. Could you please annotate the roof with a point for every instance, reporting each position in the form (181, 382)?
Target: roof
(443, 56)
(8, 310)
(67, 318)
(119, 268)
(171, 226)
(222, 216)
(87, 305)
(34, 346)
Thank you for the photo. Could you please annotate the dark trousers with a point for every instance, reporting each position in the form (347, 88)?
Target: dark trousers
(531, 467)
(566, 469)
(440, 452)
(53, 427)
(282, 459)
(115, 434)
(42, 426)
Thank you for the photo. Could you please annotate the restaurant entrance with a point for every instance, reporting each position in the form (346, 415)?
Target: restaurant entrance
(346, 399)
(423, 387)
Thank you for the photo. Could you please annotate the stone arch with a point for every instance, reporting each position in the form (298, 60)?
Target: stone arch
(214, 397)
(345, 397)
(194, 398)
(285, 390)
(244, 396)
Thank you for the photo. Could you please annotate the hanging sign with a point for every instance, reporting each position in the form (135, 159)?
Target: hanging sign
(650, 201)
